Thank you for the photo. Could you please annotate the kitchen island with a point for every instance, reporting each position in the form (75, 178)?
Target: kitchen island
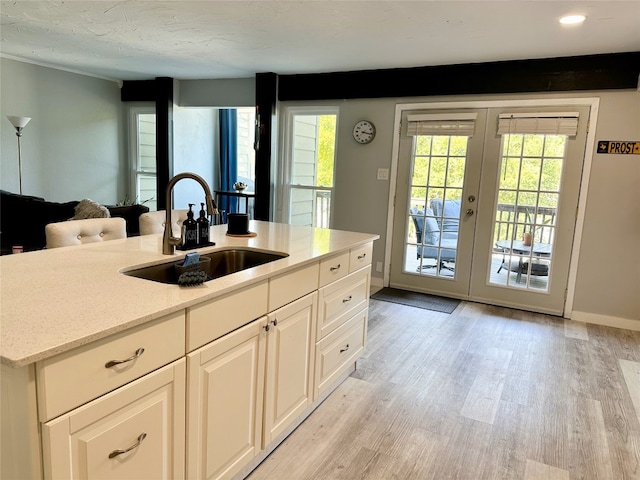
(104, 372)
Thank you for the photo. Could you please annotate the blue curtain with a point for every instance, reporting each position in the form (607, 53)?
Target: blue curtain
(228, 157)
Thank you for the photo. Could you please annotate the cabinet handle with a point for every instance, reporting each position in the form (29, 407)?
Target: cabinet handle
(113, 363)
(360, 257)
(115, 453)
(275, 322)
(333, 269)
(348, 299)
(345, 348)
(267, 327)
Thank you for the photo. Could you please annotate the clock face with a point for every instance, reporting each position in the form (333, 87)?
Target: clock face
(364, 131)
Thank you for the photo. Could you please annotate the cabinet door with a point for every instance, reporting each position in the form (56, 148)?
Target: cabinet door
(136, 431)
(290, 357)
(225, 399)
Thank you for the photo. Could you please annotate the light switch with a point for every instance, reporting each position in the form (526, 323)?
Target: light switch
(383, 174)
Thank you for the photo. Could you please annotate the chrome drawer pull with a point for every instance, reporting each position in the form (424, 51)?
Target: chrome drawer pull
(345, 348)
(333, 269)
(113, 363)
(348, 299)
(360, 257)
(115, 453)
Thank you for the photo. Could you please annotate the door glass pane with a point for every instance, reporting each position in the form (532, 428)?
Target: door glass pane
(437, 178)
(525, 215)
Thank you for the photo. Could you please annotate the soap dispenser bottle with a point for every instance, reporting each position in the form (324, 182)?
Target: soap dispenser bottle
(190, 230)
(203, 227)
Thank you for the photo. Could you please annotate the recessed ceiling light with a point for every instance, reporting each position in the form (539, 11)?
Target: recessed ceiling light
(572, 19)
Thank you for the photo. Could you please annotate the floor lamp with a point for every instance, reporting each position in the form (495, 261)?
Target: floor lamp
(19, 123)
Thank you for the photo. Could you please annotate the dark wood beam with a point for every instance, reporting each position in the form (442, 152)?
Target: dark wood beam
(266, 97)
(164, 138)
(590, 72)
(138, 91)
(159, 91)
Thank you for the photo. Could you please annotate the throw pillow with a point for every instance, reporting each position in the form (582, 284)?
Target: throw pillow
(87, 208)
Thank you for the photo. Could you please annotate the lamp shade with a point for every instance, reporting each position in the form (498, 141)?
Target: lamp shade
(18, 122)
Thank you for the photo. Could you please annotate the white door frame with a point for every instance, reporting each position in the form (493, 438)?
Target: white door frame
(592, 102)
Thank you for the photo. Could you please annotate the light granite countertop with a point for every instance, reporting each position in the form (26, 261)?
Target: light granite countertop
(58, 299)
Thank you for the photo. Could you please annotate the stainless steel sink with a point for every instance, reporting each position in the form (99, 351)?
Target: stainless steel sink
(215, 264)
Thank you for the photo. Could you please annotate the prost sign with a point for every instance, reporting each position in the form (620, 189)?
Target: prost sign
(621, 148)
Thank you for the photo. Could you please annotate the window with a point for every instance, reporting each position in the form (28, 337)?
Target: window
(309, 166)
(143, 126)
(246, 154)
(196, 149)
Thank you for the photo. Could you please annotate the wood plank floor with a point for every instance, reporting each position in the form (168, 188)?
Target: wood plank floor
(484, 393)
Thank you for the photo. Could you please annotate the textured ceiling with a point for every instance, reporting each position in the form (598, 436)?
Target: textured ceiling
(228, 39)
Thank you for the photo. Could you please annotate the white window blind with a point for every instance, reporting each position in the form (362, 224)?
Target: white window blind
(556, 123)
(441, 124)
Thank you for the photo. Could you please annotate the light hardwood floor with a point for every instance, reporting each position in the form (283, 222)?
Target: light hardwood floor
(484, 393)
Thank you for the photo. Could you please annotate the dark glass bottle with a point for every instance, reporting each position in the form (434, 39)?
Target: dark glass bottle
(190, 230)
(203, 227)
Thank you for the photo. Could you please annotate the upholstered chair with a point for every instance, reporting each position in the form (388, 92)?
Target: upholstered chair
(153, 222)
(90, 230)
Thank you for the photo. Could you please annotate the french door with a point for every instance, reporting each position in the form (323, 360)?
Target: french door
(486, 204)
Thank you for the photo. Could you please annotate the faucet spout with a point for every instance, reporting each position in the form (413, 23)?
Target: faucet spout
(169, 242)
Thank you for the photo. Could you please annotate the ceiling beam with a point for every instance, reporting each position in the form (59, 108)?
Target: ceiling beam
(589, 72)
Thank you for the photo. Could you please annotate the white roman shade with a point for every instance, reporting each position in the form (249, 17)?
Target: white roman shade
(441, 124)
(554, 123)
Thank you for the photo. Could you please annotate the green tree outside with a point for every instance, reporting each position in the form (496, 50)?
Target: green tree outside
(326, 150)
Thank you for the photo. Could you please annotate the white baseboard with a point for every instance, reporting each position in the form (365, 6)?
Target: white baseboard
(606, 320)
(377, 282)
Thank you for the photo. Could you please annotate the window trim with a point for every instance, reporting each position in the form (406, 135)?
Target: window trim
(134, 148)
(281, 212)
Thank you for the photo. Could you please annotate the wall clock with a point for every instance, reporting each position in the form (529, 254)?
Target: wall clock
(364, 131)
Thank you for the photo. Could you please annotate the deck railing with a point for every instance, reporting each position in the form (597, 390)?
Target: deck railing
(322, 209)
(511, 221)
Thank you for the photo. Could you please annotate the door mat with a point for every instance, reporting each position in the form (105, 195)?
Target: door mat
(415, 299)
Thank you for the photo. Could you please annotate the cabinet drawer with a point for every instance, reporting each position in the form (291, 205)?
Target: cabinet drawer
(360, 257)
(75, 377)
(213, 319)
(140, 425)
(341, 299)
(334, 268)
(290, 286)
(338, 350)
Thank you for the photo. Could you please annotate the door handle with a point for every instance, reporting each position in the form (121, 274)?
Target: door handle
(469, 212)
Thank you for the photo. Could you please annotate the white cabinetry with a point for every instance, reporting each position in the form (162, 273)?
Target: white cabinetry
(226, 386)
(290, 360)
(246, 387)
(136, 431)
(84, 373)
(342, 322)
(205, 392)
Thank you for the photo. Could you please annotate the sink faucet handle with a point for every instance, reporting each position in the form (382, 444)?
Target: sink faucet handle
(212, 208)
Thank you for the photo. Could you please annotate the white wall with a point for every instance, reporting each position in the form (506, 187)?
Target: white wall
(195, 139)
(608, 282)
(223, 93)
(74, 146)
